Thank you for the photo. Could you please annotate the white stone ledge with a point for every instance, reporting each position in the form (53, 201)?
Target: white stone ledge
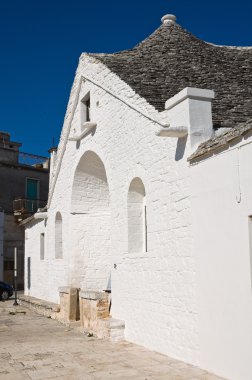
(87, 127)
(39, 304)
(116, 324)
(40, 215)
(67, 289)
(93, 295)
(173, 132)
(191, 93)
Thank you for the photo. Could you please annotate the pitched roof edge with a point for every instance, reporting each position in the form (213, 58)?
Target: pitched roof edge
(221, 142)
(73, 102)
(229, 46)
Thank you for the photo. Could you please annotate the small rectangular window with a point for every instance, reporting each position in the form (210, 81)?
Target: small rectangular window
(42, 246)
(32, 188)
(85, 109)
(32, 194)
(87, 103)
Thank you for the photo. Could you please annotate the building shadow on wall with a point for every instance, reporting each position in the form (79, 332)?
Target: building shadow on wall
(180, 149)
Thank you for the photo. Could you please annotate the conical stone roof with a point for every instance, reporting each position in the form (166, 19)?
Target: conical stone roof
(171, 59)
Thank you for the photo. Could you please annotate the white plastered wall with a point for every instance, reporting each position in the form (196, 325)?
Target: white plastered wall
(90, 225)
(222, 203)
(136, 217)
(154, 292)
(38, 268)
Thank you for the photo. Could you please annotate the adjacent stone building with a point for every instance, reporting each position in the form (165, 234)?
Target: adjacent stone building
(150, 197)
(24, 188)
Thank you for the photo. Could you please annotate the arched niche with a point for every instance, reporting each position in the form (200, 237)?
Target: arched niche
(90, 224)
(137, 218)
(90, 192)
(58, 236)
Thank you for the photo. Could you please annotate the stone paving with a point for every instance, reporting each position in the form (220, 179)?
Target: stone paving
(35, 347)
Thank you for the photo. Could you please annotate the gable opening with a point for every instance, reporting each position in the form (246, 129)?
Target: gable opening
(85, 109)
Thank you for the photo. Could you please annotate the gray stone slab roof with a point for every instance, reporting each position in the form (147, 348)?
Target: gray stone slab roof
(171, 59)
(222, 141)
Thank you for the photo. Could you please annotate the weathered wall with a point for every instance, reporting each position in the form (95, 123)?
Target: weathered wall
(13, 186)
(8, 155)
(13, 183)
(153, 291)
(222, 203)
(13, 237)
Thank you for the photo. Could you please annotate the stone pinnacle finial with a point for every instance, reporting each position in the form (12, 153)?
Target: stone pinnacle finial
(168, 18)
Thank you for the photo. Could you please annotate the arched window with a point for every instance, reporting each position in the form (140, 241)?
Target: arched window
(137, 218)
(58, 236)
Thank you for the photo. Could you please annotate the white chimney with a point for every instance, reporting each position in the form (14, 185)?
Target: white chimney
(191, 109)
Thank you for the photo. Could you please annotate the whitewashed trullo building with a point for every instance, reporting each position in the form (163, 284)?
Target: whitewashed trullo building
(151, 192)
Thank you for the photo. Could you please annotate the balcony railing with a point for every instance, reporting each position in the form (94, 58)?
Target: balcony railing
(23, 206)
(33, 160)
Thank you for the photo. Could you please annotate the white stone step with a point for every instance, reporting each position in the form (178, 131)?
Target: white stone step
(116, 329)
(116, 324)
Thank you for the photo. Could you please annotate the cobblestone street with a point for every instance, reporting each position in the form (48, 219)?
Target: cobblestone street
(35, 347)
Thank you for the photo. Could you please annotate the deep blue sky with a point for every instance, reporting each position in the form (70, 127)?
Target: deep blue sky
(41, 42)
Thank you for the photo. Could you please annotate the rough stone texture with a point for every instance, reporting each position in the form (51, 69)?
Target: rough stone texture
(69, 304)
(222, 141)
(33, 347)
(95, 316)
(172, 59)
(94, 308)
(48, 309)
